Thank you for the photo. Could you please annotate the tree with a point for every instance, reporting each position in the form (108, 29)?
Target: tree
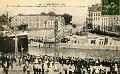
(67, 18)
(52, 14)
(89, 26)
(20, 14)
(3, 19)
(43, 13)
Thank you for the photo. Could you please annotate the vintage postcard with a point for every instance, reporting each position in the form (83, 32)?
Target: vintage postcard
(59, 36)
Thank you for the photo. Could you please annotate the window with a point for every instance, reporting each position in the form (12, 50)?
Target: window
(117, 18)
(101, 27)
(48, 23)
(37, 23)
(41, 19)
(102, 23)
(96, 14)
(114, 18)
(37, 19)
(45, 22)
(94, 18)
(75, 41)
(106, 19)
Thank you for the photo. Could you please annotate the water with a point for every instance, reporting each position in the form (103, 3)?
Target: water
(82, 53)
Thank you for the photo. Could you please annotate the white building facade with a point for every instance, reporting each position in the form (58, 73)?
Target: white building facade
(37, 21)
(39, 26)
(96, 19)
(103, 22)
(109, 23)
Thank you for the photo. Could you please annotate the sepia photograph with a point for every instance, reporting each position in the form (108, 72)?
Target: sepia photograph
(59, 36)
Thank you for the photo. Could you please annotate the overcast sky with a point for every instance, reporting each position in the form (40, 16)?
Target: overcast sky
(72, 7)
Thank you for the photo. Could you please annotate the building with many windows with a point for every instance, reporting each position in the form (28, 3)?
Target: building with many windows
(94, 16)
(38, 21)
(102, 22)
(109, 23)
(39, 26)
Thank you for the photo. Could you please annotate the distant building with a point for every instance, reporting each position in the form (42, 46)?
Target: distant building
(94, 14)
(37, 21)
(109, 23)
(102, 22)
(40, 27)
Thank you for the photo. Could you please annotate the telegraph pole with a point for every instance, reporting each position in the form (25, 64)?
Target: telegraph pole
(56, 40)
(15, 33)
(16, 41)
(56, 54)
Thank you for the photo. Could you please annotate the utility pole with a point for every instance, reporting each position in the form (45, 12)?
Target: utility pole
(56, 39)
(56, 54)
(15, 33)
(16, 41)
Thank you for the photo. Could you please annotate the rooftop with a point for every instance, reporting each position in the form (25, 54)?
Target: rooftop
(36, 15)
(95, 8)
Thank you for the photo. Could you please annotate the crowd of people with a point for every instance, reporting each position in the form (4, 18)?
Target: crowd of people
(77, 65)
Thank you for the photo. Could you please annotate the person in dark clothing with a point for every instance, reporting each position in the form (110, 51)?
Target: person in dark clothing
(60, 73)
(83, 71)
(65, 71)
(70, 72)
(48, 64)
(6, 71)
(39, 70)
(34, 69)
(93, 72)
(42, 65)
(108, 72)
(43, 70)
(24, 69)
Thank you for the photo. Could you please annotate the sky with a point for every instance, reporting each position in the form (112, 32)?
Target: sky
(72, 7)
